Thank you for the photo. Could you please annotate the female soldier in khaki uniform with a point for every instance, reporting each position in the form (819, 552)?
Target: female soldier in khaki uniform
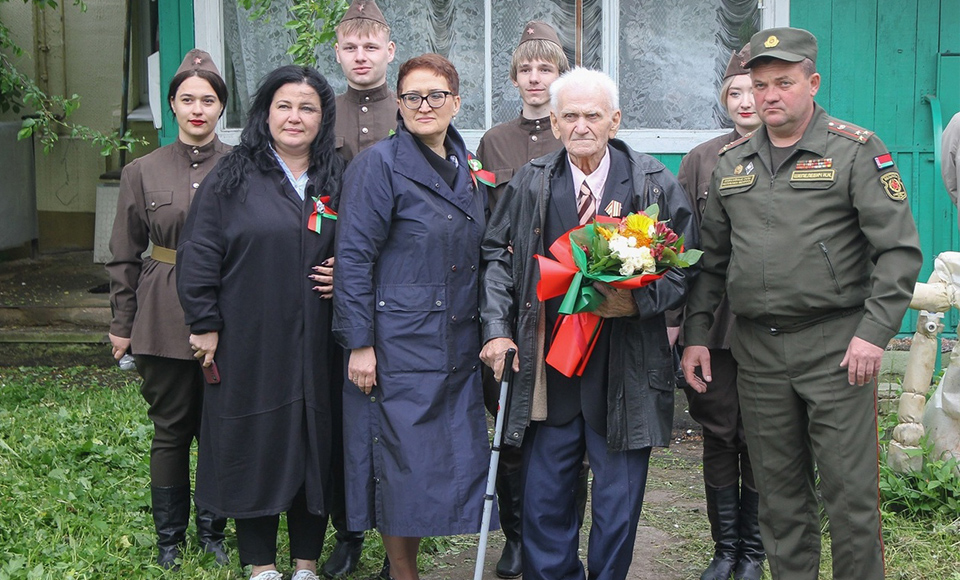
(732, 499)
(155, 194)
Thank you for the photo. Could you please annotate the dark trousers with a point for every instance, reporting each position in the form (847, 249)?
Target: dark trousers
(174, 390)
(552, 459)
(799, 412)
(257, 537)
(725, 458)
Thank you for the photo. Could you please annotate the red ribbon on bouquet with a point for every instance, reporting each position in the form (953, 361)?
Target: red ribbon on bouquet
(575, 333)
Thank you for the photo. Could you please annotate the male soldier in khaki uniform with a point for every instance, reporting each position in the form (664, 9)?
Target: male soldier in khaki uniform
(808, 230)
(367, 112)
(537, 62)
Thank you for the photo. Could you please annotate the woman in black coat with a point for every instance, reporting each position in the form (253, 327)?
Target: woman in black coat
(247, 285)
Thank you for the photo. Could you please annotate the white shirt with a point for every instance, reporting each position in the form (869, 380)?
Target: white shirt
(595, 180)
(299, 183)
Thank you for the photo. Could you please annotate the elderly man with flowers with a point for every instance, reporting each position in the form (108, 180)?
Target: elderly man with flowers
(620, 405)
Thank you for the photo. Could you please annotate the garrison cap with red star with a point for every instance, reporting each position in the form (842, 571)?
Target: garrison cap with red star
(198, 59)
(367, 9)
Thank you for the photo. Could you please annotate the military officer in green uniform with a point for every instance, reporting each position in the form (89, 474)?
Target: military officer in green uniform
(367, 112)
(808, 230)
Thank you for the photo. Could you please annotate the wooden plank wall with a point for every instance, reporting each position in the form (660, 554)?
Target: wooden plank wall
(878, 58)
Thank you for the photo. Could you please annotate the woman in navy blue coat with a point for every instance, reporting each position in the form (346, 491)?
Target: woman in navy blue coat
(406, 309)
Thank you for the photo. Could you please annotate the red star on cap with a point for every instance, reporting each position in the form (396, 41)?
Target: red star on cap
(197, 60)
(530, 31)
(360, 7)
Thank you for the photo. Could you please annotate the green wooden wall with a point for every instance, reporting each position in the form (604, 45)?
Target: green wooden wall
(176, 33)
(878, 60)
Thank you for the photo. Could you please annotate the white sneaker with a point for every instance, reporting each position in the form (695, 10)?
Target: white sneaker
(304, 575)
(268, 575)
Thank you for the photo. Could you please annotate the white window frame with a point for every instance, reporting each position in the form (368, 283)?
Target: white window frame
(208, 27)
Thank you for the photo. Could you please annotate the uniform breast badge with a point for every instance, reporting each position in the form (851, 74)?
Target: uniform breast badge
(825, 163)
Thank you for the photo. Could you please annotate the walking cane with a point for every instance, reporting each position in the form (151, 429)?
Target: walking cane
(505, 379)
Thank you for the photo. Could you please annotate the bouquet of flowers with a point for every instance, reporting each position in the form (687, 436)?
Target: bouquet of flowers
(625, 253)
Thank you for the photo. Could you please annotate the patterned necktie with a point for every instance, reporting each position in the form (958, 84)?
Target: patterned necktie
(586, 205)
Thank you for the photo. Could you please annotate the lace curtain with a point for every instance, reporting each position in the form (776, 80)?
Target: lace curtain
(667, 52)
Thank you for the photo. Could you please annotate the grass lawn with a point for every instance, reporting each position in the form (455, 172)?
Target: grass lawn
(75, 485)
(75, 494)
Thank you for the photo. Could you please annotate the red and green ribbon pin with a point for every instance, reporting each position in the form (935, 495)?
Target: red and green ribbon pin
(478, 173)
(320, 211)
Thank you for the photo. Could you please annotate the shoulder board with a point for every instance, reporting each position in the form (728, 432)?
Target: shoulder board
(737, 143)
(852, 132)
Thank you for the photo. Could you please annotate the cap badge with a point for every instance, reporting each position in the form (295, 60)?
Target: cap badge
(771, 42)
(360, 7)
(530, 30)
(197, 61)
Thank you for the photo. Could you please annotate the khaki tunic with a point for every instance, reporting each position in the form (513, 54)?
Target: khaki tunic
(509, 146)
(830, 230)
(694, 175)
(364, 118)
(155, 194)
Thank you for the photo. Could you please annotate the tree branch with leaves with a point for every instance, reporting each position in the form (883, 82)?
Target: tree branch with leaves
(47, 117)
(313, 22)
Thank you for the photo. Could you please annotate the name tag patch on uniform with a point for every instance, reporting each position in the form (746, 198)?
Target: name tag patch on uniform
(737, 181)
(825, 163)
(883, 161)
(814, 175)
(893, 186)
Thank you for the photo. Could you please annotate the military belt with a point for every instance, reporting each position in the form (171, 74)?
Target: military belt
(165, 255)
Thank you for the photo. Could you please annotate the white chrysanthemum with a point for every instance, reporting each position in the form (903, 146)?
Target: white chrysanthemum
(633, 260)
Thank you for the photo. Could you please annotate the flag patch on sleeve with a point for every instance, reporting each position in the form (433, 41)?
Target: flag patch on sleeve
(883, 161)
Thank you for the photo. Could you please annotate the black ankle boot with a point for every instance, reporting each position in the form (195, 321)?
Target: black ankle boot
(345, 556)
(210, 534)
(751, 554)
(171, 513)
(723, 511)
(510, 501)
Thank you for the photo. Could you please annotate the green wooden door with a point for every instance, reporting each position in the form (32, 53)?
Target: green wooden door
(878, 59)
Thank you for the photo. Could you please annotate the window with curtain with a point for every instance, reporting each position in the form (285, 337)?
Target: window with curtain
(669, 56)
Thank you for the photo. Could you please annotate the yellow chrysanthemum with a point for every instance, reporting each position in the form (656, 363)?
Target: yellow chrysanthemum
(639, 227)
(606, 233)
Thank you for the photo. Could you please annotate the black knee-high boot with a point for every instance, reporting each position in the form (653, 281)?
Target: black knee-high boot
(171, 513)
(723, 511)
(751, 554)
(510, 501)
(210, 534)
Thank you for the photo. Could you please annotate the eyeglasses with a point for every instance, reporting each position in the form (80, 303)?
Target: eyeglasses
(435, 100)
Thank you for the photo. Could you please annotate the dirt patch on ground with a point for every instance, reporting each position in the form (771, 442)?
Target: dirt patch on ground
(672, 538)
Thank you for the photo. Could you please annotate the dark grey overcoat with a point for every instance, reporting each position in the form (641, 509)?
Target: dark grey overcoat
(242, 269)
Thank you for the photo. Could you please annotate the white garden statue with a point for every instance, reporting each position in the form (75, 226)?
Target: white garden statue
(939, 418)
